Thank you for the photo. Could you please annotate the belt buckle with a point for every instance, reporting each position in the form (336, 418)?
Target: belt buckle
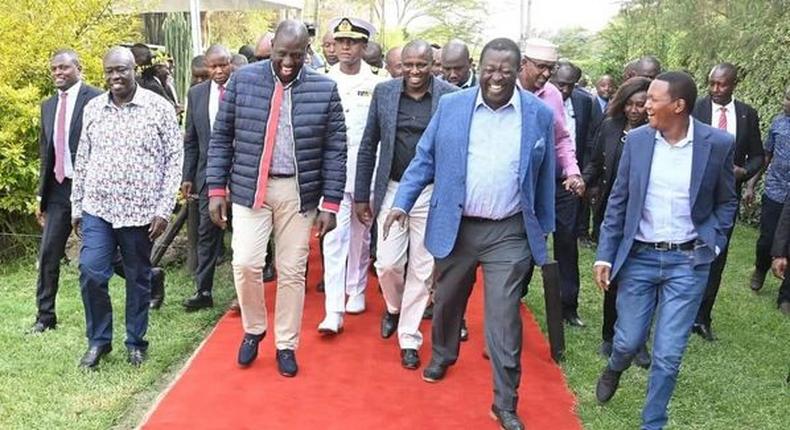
(663, 246)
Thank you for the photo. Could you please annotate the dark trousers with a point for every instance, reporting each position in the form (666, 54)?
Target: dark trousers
(714, 280)
(583, 218)
(99, 243)
(609, 312)
(769, 218)
(566, 250)
(501, 248)
(209, 247)
(57, 229)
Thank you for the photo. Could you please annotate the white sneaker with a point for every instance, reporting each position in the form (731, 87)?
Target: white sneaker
(356, 304)
(332, 324)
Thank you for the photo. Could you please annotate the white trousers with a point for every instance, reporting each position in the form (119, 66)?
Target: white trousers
(406, 290)
(346, 257)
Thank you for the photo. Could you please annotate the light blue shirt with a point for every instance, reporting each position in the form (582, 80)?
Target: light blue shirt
(666, 215)
(494, 155)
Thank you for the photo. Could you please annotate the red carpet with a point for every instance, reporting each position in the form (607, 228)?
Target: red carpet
(355, 381)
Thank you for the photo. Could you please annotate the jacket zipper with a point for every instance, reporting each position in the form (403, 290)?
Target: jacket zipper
(293, 149)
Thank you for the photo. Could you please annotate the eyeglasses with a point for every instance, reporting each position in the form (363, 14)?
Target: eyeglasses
(542, 66)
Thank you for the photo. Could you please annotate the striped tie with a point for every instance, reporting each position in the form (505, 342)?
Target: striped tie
(723, 118)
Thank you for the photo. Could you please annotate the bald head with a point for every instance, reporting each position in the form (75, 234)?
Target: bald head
(373, 55)
(418, 48)
(725, 69)
(119, 76)
(456, 62)
(393, 62)
(291, 30)
(219, 51)
(722, 81)
(289, 49)
(648, 67)
(120, 54)
(263, 49)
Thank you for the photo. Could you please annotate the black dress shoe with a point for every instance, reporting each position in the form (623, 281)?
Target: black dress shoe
(286, 362)
(434, 372)
(607, 385)
(136, 356)
(41, 327)
(464, 331)
(508, 420)
(320, 286)
(409, 358)
(757, 281)
(93, 355)
(642, 358)
(201, 300)
(269, 273)
(248, 351)
(574, 320)
(704, 331)
(389, 324)
(428, 313)
(157, 288)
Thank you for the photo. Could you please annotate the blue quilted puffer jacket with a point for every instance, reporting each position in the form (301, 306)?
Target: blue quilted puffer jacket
(319, 132)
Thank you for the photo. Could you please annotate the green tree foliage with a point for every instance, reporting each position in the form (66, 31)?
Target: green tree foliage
(693, 35)
(30, 31)
(236, 28)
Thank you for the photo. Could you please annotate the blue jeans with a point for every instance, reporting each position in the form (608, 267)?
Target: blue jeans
(99, 243)
(669, 286)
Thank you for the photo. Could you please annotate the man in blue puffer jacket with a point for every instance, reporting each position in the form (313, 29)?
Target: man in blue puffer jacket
(279, 145)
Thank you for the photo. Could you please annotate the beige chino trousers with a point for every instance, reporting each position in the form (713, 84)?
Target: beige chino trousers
(251, 229)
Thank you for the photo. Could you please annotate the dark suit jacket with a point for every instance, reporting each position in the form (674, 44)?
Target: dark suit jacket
(712, 194)
(601, 168)
(748, 144)
(381, 127)
(46, 140)
(782, 235)
(197, 136)
(582, 111)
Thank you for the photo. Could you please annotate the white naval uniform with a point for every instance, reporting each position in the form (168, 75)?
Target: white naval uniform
(347, 247)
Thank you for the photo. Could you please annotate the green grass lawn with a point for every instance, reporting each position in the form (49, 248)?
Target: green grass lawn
(737, 382)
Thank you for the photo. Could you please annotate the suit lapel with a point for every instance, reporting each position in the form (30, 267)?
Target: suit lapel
(203, 108)
(466, 111)
(528, 137)
(740, 122)
(700, 154)
(76, 119)
(707, 111)
(643, 159)
(391, 104)
(50, 111)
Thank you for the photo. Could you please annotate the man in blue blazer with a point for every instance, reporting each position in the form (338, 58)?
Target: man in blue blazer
(666, 220)
(489, 152)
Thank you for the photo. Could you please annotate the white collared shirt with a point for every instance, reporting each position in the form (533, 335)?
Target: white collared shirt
(71, 101)
(493, 160)
(666, 214)
(213, 102)
(732, 124)
(570, 118)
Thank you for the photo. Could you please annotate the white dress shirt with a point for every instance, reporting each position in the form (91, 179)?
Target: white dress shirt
(570, 118)
(71, 101)
(732, 122)
(666, 215)
(213, 103)
(494, 156)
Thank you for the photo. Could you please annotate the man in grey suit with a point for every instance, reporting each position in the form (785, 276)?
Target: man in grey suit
(666, 221)
(399, 113)
(203, 103)
(489, 152)
(61, 126)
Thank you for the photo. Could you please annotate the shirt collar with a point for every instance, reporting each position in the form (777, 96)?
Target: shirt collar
(468, 82)
(683, 142)
(729, 106)
(515, 101)
(73, 91)
(403, 85)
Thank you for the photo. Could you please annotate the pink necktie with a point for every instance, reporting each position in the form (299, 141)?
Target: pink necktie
(723, 118)
(60, 139)
(221, 92)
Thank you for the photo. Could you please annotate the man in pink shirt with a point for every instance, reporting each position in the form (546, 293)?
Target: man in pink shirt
(538, 61)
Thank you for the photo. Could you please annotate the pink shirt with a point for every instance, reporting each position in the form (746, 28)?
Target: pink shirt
(563, 144)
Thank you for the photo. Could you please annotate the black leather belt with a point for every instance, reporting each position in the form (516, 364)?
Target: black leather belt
(666, 246)
(275, 175)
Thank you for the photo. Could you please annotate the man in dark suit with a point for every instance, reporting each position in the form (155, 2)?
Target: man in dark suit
(203, 101)
(457, 64)
(578, 108)
(489, 152)
(780, 251)
(61, 125)
(721, 110)
(399, 113)
(666, 220)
